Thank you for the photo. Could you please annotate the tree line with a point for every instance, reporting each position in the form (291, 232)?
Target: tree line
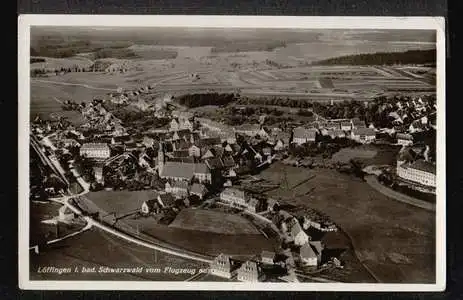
(197, 100)
(383, 58)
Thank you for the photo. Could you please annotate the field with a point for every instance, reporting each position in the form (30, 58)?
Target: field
(382, 154)
(346, 154)
(120, 202)
(253, 64)
(125, 204)
(213, 221)
(211, 243)
(394, 240)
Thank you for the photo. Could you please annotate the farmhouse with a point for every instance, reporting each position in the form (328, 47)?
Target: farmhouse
(404, 139)
(248, 272)
(363, 135)
(234, 197)
(336, 133)
(302, 135)
(419, 171)
(150, 206)
(95, 150)
(222, 266)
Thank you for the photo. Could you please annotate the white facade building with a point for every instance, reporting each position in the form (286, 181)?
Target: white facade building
(95, 150)
(420, 171)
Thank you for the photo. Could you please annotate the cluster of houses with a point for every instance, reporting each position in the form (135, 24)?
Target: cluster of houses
(354, 129)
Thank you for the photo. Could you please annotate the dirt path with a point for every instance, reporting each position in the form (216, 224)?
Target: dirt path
(75, 84)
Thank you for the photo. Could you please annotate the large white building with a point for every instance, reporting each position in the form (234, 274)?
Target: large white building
(419, 171)
(95, 150)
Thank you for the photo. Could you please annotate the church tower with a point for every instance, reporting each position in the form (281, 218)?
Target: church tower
(160, 159)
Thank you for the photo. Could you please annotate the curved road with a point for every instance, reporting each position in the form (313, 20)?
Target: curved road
(374, 183)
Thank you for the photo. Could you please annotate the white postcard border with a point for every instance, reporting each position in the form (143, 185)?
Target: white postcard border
(337, 22)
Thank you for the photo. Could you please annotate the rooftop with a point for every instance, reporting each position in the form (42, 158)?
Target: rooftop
(364, 131)
(422, 165)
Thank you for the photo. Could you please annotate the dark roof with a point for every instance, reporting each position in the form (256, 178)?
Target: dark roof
(198, 188)
(181, 153)
(317, 246)
(214, 163)
(364, 131)
(201, 168)
(181, 144)
(185, 159)
(167, 199)
(423, 166)
(208, 142)
(404, 136)
(228, 161)
(178, 170)
(122, 138)
(303, 133)
(152, 204)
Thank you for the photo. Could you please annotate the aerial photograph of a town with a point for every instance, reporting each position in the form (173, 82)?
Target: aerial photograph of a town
(232, 155)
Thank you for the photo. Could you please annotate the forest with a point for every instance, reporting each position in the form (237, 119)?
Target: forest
(197, 100)
(383, 58)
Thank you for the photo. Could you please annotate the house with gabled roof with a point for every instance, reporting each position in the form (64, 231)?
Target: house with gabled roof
(165, 199)
(363, 135)
(199, 190)
(222, 266)
(297, 233)
(249, 271)
(303, 135)
(150, 206)
(308, 256)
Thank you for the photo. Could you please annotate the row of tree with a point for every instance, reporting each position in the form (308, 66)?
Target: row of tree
(383, 58)
(197, 100)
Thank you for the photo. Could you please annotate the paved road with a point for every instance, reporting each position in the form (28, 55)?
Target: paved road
(374, 183)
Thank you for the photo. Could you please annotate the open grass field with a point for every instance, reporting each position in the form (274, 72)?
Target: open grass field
(346, 154)
(213, 221)
(96, 248)
(211, 243)
(394, 240)
(374, 154)
(120, 202)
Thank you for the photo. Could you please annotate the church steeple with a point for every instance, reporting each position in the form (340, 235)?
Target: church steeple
(160, 158)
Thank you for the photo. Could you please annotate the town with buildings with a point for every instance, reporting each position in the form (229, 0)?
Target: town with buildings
(188, 163)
